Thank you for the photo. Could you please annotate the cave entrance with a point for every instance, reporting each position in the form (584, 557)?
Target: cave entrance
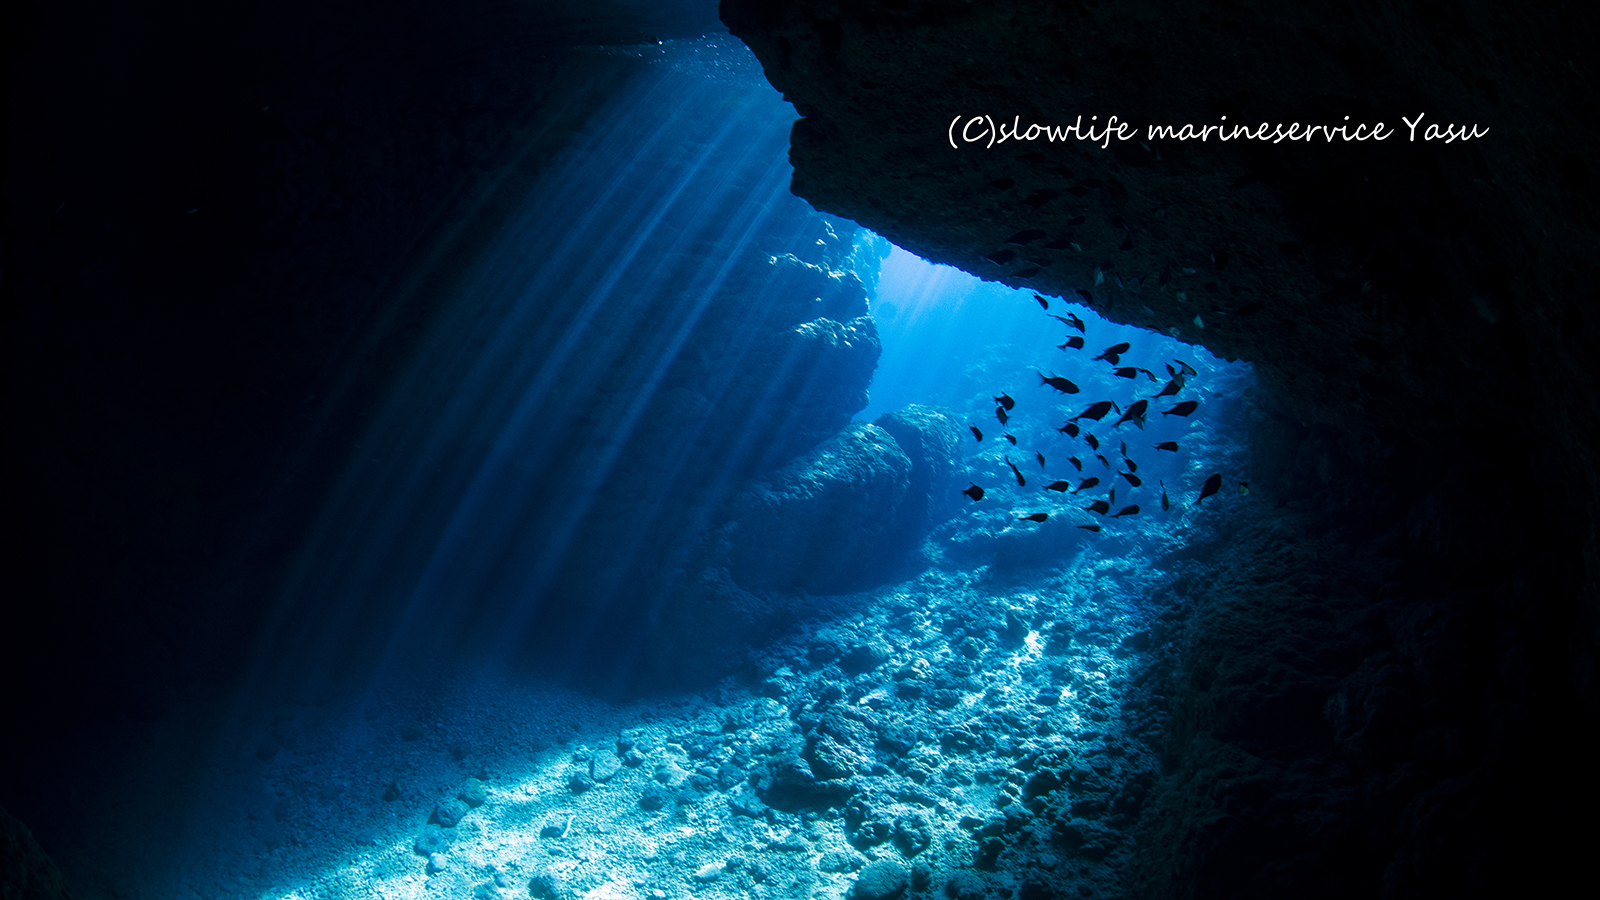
(984, 351)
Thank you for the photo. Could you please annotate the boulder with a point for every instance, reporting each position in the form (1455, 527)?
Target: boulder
(815, 524)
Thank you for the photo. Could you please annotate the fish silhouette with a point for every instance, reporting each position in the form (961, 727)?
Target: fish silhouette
(1057, 382)
(1095, 411)
(1113, 352)
(1021, 482)
(1181, 409)
(1135, 414)
(1070, 320)
(975, 492)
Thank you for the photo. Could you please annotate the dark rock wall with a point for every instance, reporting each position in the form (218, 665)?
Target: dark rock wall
(1421, 316)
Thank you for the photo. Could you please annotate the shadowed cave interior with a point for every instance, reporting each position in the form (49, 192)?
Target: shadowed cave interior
(518, 450)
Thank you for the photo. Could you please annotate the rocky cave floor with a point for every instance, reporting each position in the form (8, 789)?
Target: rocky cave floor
(963, 734)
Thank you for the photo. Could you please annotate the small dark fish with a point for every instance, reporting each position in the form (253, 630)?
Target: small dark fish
(1185, 367)
(1091, 440)
(1085, 295)
(1150, 375)
(1006, 401)
(1128, 511)
(1132, 466)
(1244, 488)
(975, 432)
(1173, 386)
(1087, 483)
(1126, 372)
(1132, 478)
(1021, 482)
(1042, 302)
(1093, 528)
(1171, 371)
(1182, 409)
(1075, 322)
(1164, 496)
(975, 492)
(1095, 411)
(1212, 485)
(1123, 446)
(1112, 496)
(1000, 413)
(1135, 414)
(1057, 382)
(1059, 486)
(1168, 445)
(1070, 429)
(1112, 352)
(1076, 463)
(1099, 506)
(1073, 343)
(1036, 517)
(1040, 457)
(1103, 461)
(1011, 438)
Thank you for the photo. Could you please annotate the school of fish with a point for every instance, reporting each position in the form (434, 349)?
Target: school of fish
(1178, 374)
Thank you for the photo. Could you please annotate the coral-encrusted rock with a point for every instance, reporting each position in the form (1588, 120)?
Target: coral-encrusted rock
(930, 436)
(814, 524)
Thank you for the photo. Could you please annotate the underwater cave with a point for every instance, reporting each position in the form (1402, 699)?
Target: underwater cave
(615, 451)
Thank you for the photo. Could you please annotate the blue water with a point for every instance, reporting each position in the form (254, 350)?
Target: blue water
(953, 340)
